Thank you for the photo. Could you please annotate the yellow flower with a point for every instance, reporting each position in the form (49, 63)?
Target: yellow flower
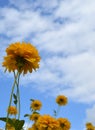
(61, 100)
(22, 57)
(46, 122)
(64, 124)
(89, 126)
(30, 128)
(34, 117)
(12, 110)
(9, 127)
(36, 105)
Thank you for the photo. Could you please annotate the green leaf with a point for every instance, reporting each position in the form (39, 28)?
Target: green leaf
(26, 115)
(15, 102)
(19, 124)
(32, 100)
(15, 97)
(9, 120)
(35, 112)
(54, 111)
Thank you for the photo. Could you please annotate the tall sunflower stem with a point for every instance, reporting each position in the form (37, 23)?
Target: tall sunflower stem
(10, 101)
(18, 95)
(17, 76)
(57, 111)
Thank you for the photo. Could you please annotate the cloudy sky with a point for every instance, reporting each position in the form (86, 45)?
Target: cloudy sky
(64, 33)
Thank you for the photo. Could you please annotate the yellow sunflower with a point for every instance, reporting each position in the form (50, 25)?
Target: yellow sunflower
(22, 57)
(36, 105)
(89, 126)
(12, 110)
(46, 122)
(64, 124)
(61, 100)
(9, 127)
(34, 117)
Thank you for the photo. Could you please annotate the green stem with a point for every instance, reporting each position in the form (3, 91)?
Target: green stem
(57, 111)
(10, 101)
(18, 93)
(15, 76)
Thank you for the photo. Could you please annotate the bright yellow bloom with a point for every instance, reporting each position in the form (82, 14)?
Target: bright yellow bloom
(22, 57)
(46, 122)
(89, 126)
(30, 128)
(34, 117)
(9, 127)
(61, 100)
(64, 124)
(36, 105)
(12, 110)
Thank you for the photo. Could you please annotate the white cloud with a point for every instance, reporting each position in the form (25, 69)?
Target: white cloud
(67, 63)
(26, 126)
(37, 4)
(73, 76)
(75, 9)
(21, 23)
(80, 72)
(90, 115)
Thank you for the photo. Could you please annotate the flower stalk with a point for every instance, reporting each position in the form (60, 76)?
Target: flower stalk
(15, 85)
(17, 77)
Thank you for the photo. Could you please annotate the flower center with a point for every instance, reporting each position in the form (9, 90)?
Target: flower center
(20, 62)
(36, 105)
(61, 100)
(62, 125)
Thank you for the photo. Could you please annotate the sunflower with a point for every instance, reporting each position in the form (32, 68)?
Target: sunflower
(12, 110)
(22, 57)
(47, 122)
(89, 126)
(61, 100)
(36, 105)
(64, 124)
(34, 117)
(9, 127)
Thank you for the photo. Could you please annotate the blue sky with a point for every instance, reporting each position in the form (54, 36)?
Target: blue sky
(64, 33)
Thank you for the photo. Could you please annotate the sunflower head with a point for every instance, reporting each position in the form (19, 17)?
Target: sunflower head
(9, 127)
(61, 100)
(12, 110)
(36, 105)
(89, 126)
(64, 123)
(34, 116)
(22, 57)
(47, 122)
